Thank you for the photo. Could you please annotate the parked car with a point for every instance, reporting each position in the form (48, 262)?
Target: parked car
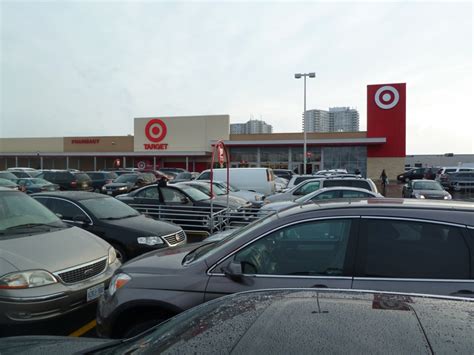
(184, 176)
(255, 198)
(327, 193)
(67, 180)
(442, 176)
(415, 174)
(391, 245)
(129, 232)
(32, 185)
(331, 172)
(21, 174)
(101, 178)
(277, 321)
(283, 173)
(461, 181)
(184, 205)
(18, 168)
(9, 184)
(253, 179)
(47, 268)
(220, 195)
(280, 184)
(172, 171)
(128, 182)
(308, 186)
(425, 189)
(298, 179)
(8, 175)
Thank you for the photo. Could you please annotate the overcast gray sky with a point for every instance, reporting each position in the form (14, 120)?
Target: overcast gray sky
(90, 67)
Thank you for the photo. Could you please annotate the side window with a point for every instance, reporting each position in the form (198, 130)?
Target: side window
(205, 176)
(151, 192)
(326, 195)
(66, 209)
(172, 195)
(307, 188)
(48, 176)
(405, 249)
(312, 248)
(354, 194)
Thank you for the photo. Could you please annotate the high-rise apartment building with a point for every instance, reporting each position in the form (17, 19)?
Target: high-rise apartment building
(337, 119)
(251, 127)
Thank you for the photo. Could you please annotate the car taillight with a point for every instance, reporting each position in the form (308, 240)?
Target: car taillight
(73, 183)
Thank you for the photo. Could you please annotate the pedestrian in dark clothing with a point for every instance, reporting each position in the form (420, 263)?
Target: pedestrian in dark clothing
(384, 179)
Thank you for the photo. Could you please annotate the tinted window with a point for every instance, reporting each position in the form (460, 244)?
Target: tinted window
(313, 248)
(172, 195)
(362, 184)
(301, 179)
(64, 208)
(96, 176)
(406, 249)
(326, 195)
(355, 194)
(108, 207)
(205, 176)
(308, 188)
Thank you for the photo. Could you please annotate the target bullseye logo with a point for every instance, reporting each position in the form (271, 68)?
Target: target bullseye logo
(387, 97)
(155, 130)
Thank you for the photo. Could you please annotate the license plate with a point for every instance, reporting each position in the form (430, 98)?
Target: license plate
(109, 192)
(94, 292)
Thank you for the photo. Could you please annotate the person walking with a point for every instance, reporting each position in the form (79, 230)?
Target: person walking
(384, 180)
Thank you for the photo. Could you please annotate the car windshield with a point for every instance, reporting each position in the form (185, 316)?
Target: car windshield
(109, 208)
(126, 178)
(20, 214)
(39, 181)
(224, 185)
(5, 182)
(183, 176)
(195, 194)
(427, 185)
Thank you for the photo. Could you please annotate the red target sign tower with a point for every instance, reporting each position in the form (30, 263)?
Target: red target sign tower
(155, 130)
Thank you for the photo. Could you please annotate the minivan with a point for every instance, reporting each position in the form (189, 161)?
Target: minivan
(253, 179)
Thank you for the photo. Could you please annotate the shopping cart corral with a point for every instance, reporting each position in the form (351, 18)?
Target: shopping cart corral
(200, 220)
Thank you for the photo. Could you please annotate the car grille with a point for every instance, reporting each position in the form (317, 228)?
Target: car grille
(175, 238)
(83, 272)
(435, 197)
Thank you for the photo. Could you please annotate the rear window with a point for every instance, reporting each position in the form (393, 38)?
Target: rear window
(303, 178)
(82, 177)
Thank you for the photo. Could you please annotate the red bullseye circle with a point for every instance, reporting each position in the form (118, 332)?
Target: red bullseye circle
(155, 130)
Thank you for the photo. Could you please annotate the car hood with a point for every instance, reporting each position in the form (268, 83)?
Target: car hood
(234, 202)
(142, 224)
(284, 196)
(52, 251)
(278, 206)
(48, 345)
(166, 261)
(431, 192)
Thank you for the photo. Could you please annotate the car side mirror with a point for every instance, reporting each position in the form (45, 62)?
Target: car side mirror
(184, 200)
(234, 271)
(81, 219)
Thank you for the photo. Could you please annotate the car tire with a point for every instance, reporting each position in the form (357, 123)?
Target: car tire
(121, 254)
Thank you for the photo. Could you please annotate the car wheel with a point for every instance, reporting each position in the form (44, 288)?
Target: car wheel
(140, 325)
(121, 255)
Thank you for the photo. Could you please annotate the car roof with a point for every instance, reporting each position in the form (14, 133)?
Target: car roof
(378, 204)
(302, 321)
(336, 188)
(72, 195)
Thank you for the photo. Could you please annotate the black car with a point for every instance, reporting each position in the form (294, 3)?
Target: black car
(181, 204)
(101, 178)
(425, 189)
(129, 232)
(391, 245)
(33, 185)
(418, 173)
(67, 180)
(291, 321)
(128, 182)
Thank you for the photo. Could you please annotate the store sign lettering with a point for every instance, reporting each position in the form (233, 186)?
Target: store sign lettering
(85, 141)
(155, 146)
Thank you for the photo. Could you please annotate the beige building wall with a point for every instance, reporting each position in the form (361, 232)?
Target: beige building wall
(31, 145)
(392, 166)
(295, 136)
(184, 133)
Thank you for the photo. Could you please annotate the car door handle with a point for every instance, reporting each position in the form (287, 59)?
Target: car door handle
(319, 286)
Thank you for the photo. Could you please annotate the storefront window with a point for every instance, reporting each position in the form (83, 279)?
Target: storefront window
(243, 154)
(274, 154)
(313, 156)
(349, 158)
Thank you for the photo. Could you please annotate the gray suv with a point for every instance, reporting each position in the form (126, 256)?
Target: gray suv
(46, 267)
(394, 245)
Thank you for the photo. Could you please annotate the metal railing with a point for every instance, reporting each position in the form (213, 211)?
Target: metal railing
(197, 219)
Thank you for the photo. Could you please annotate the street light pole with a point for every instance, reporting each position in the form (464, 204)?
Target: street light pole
(298, 76)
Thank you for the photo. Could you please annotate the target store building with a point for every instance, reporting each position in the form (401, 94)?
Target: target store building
(187, 142)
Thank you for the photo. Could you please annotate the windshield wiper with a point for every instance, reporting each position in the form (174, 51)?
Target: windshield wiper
(115, 218)
(30, 225)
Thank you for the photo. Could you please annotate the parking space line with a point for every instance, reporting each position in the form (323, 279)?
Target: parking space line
(83, 330)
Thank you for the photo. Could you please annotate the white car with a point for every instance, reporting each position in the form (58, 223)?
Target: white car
(323, 194)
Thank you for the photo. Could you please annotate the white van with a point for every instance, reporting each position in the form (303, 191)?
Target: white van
(253, 179)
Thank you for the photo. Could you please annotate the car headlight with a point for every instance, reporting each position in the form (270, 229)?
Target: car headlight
(112, 255)
(104, 188)
(151, 240)
(27, 279)
(448, 197)
(122, 188)
(118, 281)
(420, 196)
